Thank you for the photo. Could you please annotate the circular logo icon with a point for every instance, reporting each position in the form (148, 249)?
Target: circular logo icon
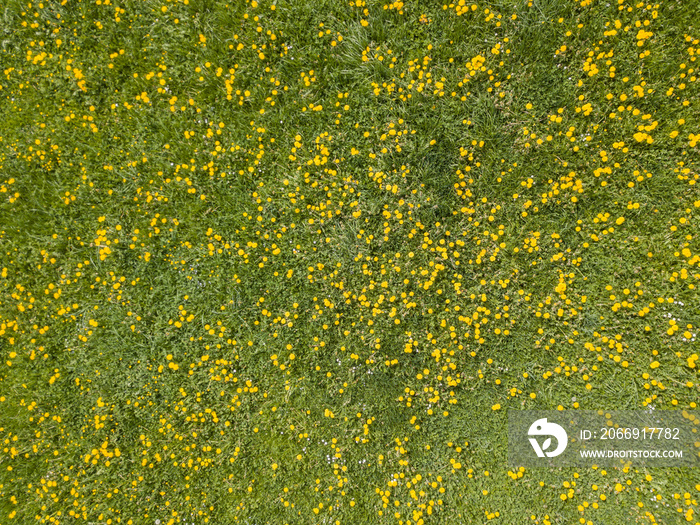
(542, 427)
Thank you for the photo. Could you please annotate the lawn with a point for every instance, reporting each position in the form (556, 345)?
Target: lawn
(293, 261)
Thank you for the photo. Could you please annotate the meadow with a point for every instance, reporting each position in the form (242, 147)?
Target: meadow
(293, 261)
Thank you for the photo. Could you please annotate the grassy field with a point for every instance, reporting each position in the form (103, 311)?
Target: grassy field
(293, 261)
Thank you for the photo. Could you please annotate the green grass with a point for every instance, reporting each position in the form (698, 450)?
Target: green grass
(146, 245)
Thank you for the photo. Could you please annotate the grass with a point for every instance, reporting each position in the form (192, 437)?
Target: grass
(283, 265)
